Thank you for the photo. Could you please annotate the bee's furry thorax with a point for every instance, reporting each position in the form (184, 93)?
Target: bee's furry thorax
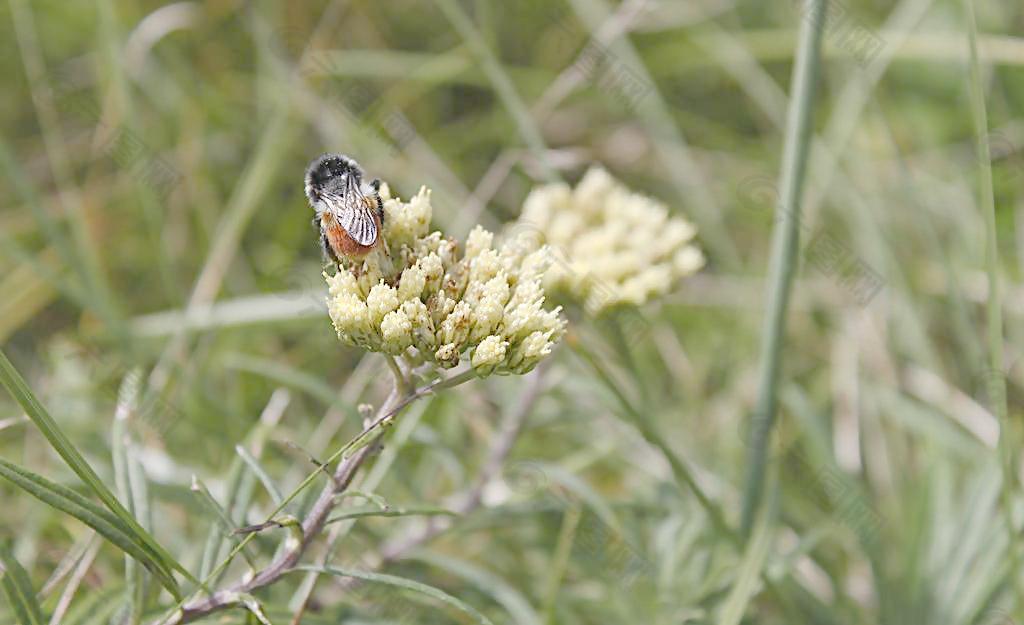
(330, 173)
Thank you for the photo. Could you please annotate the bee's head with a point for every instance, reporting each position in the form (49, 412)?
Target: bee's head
(331, 173)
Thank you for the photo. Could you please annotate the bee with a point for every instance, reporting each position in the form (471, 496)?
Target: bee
(349, 212)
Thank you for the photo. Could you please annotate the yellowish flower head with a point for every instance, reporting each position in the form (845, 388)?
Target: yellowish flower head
(610, 246)
(422, 297)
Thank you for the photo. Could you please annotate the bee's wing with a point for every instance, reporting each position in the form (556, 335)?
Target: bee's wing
(355, 215)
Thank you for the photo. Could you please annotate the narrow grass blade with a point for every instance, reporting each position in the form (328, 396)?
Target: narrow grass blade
(503, 592)
(261, 474)
(785, 240)
(240, 485)
(560, 560)
(106, 524)
(17, 588)
(406, 584)
(653, 436)
(22, 394)
(60, 164)
(95, 608)
(994, 306)
(67, 564)
(127, 405)
(215, 539)
(220, 517)
(367, 511)
(67, 596)
(503, 85)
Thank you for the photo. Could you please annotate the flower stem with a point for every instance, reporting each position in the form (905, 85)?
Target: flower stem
(401, 381)
(785, 241)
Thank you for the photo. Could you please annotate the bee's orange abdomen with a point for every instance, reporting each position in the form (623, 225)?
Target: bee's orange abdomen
(341, 243)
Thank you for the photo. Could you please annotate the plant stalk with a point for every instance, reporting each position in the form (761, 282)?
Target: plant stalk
(785, 243)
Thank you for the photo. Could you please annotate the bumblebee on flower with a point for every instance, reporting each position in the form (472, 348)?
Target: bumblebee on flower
(349, 212)
(420, 296)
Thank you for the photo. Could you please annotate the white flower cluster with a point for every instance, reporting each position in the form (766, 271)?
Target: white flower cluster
(611, 246)
(423, 298)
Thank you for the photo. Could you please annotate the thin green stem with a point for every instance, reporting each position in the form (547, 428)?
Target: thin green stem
(785, 241)
(401, 381)
(996, 383)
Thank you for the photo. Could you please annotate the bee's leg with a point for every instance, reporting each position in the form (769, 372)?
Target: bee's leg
(328, 251)
(375, 185)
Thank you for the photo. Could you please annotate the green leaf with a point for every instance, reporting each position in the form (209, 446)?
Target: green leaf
(372, 511)
(215, 539)
(264, 478)
(494, 586)
(21, 393)
(105, 523)
(407, 584)
(220, 517)
(374, 497)
(18, 589)
(127, 406)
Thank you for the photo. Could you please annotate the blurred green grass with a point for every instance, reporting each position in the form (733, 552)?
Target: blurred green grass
(885, 407)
